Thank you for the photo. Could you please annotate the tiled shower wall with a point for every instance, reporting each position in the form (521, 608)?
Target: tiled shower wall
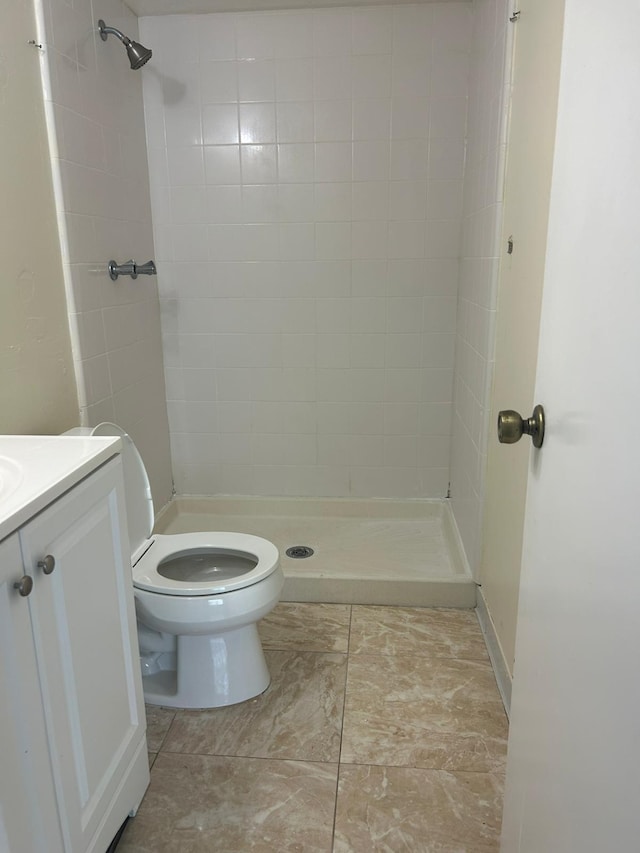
(96, 123)
(489, 91)
(306, 182)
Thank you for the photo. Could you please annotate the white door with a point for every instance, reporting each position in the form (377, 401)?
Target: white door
(573, 775)
(28, 809)
(86, 645)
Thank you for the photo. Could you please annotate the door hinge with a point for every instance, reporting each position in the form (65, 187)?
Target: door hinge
(513, 18)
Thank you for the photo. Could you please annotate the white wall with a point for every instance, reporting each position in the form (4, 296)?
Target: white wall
(37, 386)
(306, 175)
(95, 111)
(489, 77)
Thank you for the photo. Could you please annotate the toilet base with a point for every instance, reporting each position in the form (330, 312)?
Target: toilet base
(209, 671)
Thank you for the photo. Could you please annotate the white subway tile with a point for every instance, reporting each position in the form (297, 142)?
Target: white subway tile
(223, 204)
(294, 35)
(257, 80)
(372, 30)
(369, 239)
(296, 202)
(333, 161)
(371, 118)
(296, 163)
(257, 123)
(186, 166)
(409, 118)
(220, 124)
(331, 77)
(255, 36)
(370, 200)
(371, 161)
(294, 79)
(332, 121)
(294, 121)
(332, 202)
(258, 164)
(216, 37)
(333, 240)
(331, 32)
(407, 200)
(297, 241)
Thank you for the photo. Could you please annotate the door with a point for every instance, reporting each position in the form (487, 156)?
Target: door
(538, 36)
(86, 646)
(573, 775)
(28, 809)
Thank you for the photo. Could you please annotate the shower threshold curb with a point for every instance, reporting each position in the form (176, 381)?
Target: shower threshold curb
(400, 593)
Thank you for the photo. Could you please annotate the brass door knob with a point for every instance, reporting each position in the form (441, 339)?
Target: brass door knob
(511, 426)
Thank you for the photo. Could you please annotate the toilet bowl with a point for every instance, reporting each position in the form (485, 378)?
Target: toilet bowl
(198, 599)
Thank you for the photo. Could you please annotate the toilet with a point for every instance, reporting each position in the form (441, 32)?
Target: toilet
(198, 599)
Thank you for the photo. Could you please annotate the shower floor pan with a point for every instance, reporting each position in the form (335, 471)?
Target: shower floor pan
(365, 551)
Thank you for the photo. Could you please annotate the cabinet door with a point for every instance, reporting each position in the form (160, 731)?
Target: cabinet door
(86, 646)
(28, 814)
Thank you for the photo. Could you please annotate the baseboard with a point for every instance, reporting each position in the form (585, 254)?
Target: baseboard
(498, 661)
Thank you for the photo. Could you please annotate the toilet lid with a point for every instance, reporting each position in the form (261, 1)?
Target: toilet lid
(137, 491)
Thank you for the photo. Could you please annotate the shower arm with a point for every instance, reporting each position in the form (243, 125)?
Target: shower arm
(130, 268)
(112, 31)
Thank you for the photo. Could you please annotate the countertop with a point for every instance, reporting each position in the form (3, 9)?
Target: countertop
(37, 469)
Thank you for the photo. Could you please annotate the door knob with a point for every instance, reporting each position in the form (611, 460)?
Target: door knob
(511, 426)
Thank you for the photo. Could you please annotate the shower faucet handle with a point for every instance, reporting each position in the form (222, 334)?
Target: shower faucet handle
(130, 268)
(127, 268)
(146, 269)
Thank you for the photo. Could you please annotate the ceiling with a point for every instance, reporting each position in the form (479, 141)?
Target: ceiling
(183, 7)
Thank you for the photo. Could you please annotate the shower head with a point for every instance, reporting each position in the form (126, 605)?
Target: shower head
(137, 53)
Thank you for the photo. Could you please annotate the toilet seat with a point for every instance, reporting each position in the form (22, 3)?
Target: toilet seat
(165, 546)
(149, 551)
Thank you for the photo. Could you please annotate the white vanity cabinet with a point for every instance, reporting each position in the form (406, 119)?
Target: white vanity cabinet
(74, 761)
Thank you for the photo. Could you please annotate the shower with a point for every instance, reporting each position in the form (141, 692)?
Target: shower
(137, 53)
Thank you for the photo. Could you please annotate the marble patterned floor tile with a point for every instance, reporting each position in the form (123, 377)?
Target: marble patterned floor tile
(389, 809)
(307, 627)
(152, 758)
(158, 722)
(198, 804)
(416, 631)
(423, 712)
(298, 717)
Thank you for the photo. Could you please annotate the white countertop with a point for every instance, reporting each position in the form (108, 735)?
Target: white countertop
(36, 469)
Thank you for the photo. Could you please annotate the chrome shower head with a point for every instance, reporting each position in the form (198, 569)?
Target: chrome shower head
(138, 54)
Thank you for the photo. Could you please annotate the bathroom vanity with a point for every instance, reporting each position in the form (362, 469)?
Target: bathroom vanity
(72, 724)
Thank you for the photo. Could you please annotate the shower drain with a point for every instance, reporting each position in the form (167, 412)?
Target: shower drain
(299, 552)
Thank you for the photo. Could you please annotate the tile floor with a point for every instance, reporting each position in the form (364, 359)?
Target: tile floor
(382, 730)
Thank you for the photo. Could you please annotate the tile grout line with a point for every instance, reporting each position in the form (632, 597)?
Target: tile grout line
(344, 703)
